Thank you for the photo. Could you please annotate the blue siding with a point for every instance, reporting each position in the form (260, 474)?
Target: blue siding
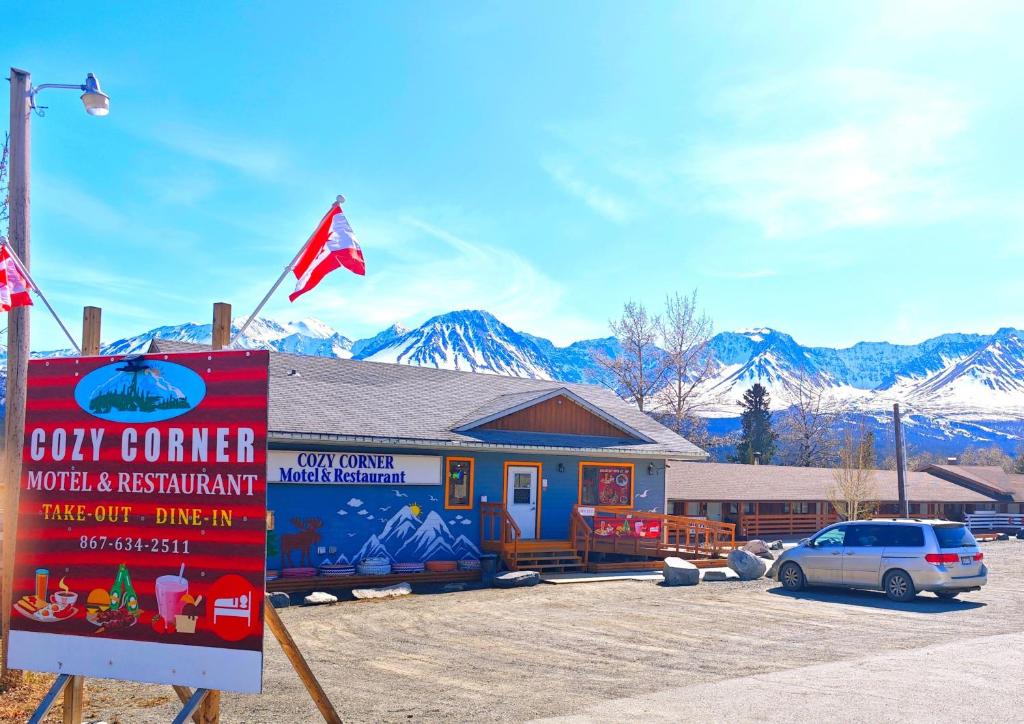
(347, 517)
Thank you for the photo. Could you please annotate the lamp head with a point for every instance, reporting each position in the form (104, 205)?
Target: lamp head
(96, 102)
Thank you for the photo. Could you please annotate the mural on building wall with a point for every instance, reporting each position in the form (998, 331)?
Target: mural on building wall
(404, 527)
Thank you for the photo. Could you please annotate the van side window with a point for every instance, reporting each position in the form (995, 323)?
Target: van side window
(868, 536)
(903, 536)
(832, 538)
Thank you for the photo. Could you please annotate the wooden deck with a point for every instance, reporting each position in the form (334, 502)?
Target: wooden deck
(691, 538)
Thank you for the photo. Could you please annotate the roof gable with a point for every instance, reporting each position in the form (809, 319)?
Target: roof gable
(558, 411)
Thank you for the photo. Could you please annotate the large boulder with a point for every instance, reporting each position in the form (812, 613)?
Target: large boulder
(747, 566)
(318, 598)
(399, 589)
(678, 572)
(517, 579)
(279, 600)
(759, 548)
(720, 574)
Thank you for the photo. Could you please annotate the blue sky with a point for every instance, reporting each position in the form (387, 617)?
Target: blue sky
(840, 171)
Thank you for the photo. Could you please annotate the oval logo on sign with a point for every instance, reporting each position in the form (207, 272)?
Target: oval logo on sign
(140, 390)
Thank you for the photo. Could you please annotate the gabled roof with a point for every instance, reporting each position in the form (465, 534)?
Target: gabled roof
(985, 478)
(321, 399)
(734, 482)
(505, 405)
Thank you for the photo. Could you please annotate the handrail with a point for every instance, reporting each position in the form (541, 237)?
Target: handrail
(579, 525)
(510, 533)
(679, 533)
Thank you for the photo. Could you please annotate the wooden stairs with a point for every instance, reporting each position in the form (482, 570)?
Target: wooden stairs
(543, 556)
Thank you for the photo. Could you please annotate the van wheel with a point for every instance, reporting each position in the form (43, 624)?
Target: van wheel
(947, 595)
(791, 577)
(899, 586)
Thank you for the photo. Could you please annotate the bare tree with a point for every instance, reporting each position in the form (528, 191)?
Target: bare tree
(854, 495)
(806, 429)
(686, 337)
(640, 367)
(993, 456)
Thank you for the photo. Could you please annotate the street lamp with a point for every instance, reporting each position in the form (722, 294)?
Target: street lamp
(23, 103)
(96, 102)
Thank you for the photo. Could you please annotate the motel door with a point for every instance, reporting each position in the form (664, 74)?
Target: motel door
(521, 498)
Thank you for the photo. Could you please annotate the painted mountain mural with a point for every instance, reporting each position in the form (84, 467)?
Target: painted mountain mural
(959, 389)
(410, 535)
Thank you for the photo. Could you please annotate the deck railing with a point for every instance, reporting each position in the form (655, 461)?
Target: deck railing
(679, 534)
(499, 532)
(991, 520)
(757, 525)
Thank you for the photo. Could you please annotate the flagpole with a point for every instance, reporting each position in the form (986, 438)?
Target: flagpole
(291, 265)
(37, 290)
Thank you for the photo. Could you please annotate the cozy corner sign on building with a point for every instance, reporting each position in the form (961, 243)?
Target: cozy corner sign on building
(353, 468)
(142, 526)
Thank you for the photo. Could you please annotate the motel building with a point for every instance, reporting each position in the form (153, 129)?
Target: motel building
(396, 472)
(765, 501)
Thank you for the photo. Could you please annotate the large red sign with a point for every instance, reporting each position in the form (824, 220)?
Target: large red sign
(142, 521)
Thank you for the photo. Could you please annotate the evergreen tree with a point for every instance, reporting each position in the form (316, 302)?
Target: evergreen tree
(757, 435)
(867, 452)
(1018, 464)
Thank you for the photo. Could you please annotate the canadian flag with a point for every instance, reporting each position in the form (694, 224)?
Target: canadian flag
(332, 245)
(13, 285)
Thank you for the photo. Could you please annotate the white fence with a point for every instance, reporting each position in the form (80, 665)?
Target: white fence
(990, 520)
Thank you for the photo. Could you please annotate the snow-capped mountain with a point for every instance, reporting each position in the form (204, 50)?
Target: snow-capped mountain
(307, 336)
(470, 340)
(968, 386)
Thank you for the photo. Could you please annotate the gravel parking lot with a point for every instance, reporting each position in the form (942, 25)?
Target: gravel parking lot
(597, 649)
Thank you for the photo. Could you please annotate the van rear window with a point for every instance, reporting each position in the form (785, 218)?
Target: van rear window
(954, 536)
(905, 536)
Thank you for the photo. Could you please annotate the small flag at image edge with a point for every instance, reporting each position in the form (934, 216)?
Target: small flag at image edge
(14, 287)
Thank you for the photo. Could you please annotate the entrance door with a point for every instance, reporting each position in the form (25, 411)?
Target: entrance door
(521, 498)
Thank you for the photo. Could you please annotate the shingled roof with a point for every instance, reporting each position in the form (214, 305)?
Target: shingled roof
(989, 479)
(734, 483)
(330, 399)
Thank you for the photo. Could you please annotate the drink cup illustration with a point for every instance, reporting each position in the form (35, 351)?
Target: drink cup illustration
(63, 599)
(42, 583)
(169, 591)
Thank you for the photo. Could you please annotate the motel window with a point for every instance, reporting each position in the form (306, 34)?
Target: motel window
(458, 483)
(804, 508)
(692, 510)
(748, 509)
(606, 484)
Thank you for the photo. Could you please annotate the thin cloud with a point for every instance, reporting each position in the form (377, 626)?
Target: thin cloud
(603, 202)
(881, 160)
(437, 271)
(252, 157)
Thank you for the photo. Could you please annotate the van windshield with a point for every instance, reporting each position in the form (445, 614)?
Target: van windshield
(954, 536)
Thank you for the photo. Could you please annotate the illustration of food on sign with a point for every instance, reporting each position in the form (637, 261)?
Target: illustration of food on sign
(60, 606)
(122, 607)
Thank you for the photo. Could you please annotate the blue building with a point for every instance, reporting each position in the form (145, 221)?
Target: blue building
(421, 466)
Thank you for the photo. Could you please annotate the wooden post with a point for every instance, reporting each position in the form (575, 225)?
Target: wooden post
(17, 338)
(298, 661)
(221, 325)
(209, 710)
(91, 317)
(74, 693)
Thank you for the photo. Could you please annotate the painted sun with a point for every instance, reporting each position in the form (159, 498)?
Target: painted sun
(415, 509)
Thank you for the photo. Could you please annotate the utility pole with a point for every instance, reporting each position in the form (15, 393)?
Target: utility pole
(901, 463)
(17, 332)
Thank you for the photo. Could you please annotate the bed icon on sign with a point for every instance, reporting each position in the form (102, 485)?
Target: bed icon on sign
(234, 615)
(240, 606)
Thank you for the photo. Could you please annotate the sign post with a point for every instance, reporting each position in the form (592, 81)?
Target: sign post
(142, 533)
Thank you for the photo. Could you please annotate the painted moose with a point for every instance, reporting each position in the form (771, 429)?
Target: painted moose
(307, 535)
